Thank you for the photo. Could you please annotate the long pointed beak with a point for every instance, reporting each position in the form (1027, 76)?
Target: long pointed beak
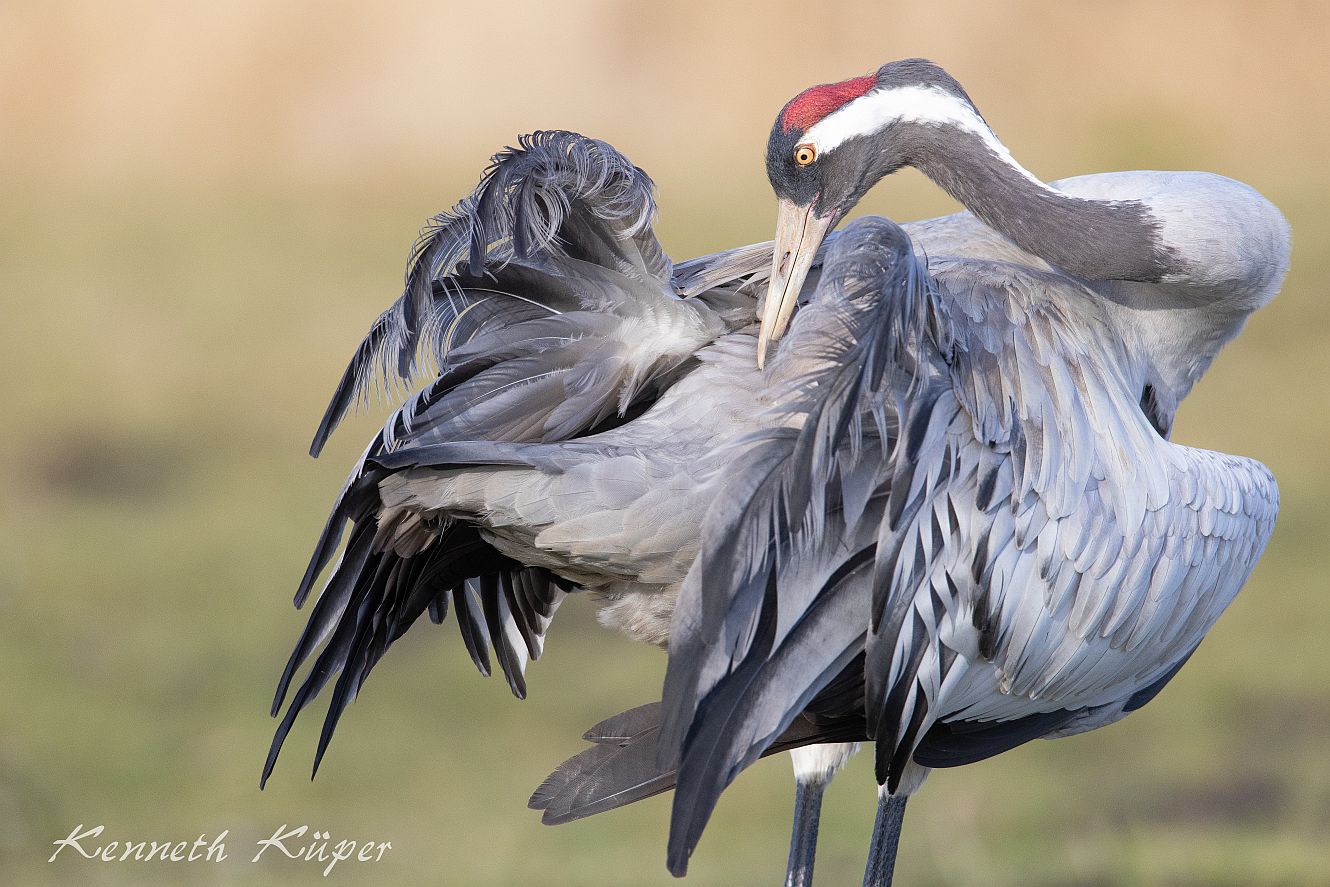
(799, 232)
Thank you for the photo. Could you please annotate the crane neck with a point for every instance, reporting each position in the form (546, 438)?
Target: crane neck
(1092, 239)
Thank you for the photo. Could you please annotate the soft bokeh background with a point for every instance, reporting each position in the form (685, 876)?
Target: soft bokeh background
(204, 205)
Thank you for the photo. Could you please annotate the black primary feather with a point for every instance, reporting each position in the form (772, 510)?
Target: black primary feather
(375, 594)
(379, 595)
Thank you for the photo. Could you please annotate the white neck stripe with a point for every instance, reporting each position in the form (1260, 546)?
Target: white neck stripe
(872, 112)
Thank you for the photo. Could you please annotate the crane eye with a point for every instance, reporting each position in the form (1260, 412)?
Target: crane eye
(804, 154)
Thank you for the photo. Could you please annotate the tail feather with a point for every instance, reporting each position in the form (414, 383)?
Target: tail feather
(621, 767)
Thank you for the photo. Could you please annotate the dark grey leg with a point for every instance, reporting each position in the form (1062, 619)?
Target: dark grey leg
(803, 840)
(886, 835)
(814, 767)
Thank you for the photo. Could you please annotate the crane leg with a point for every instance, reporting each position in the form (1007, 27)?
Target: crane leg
(886, 835)
(803, 839)
(814, 766)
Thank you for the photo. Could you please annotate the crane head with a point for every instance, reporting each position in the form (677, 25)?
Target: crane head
(829, 145)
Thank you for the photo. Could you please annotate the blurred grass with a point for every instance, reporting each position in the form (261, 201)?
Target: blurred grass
(203, 211)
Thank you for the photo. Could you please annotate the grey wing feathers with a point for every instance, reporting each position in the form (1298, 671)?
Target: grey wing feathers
(511, 252)
(786, 564)
(1052, 552)
(398, 565)
(746, 263)
(550, 307)
(793, 472)
(545, 301)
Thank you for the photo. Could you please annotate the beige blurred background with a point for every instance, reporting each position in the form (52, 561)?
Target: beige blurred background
(203, 206)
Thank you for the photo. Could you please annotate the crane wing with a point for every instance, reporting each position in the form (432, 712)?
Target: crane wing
(1030, 556)
(546, 303)
(1047, 550)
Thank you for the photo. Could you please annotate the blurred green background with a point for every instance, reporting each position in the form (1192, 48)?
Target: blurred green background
(205, 205)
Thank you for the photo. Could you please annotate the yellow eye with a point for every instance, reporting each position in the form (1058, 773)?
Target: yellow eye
(804, 154)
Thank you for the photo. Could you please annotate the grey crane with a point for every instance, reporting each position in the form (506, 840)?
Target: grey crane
(957, 523)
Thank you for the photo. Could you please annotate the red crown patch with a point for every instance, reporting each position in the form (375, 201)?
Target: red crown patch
(816, 102)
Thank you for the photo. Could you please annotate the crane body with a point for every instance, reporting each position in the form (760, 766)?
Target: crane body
(920, 495)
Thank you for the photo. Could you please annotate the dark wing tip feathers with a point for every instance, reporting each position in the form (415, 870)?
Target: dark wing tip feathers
(373, 596)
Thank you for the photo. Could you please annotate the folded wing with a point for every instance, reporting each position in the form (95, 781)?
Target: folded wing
(972, 498)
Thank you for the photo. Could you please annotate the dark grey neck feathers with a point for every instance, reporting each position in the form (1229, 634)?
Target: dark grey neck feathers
(1092, 239)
